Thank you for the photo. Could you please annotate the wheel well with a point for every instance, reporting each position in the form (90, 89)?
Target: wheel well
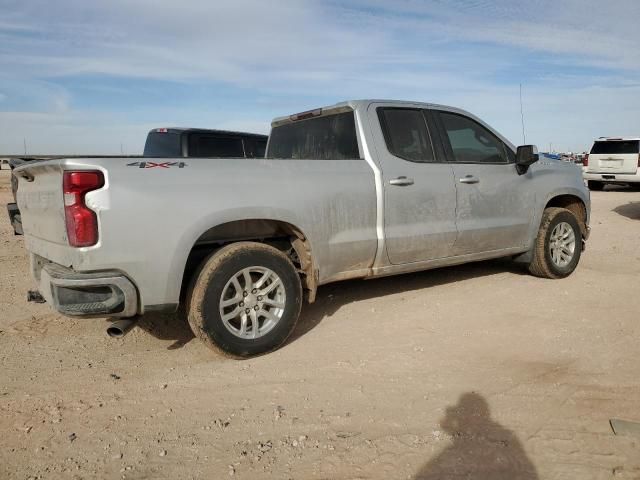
(573, 204)
(281, 235)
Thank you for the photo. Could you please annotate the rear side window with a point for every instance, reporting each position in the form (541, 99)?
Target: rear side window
(332, 137)
(406, 134)
(616, 147)
(162, 144)
(470, 141)
(215, 146)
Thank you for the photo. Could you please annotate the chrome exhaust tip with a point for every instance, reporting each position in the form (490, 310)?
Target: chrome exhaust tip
(120, 328)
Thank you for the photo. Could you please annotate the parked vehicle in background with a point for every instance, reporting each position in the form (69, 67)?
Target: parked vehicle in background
(613, 160)
(198, 142)
(360, 189)
(166, 142)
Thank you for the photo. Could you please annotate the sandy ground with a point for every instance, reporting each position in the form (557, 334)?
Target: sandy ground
(479, 371)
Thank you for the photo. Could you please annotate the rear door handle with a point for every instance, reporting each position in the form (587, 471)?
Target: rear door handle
(469, 179)
(401, 181)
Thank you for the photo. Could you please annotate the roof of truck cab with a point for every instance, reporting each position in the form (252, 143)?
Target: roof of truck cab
(207, 130)
(364, 103)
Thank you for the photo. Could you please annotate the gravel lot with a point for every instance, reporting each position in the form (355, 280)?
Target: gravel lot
(478, 371)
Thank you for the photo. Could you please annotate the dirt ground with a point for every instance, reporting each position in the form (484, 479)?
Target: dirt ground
(478, 371)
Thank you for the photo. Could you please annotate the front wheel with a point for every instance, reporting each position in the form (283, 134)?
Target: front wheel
(558, 246)
(245, 300)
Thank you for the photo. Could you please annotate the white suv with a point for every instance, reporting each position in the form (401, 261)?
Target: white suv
(613, 160)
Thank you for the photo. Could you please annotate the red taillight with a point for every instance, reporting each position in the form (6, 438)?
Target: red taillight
(82, 222)
(585, 160)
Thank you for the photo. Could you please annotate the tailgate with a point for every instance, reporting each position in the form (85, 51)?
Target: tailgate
(614, 156)
(40, 200)
(620, 163)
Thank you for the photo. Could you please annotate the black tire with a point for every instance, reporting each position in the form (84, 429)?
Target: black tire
(542, 264)
(595, 185)
(205, 296)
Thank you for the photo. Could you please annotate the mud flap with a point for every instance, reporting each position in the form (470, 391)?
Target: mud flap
(14, 218)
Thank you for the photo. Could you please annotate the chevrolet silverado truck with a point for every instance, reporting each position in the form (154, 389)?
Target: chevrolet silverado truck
(360, 189)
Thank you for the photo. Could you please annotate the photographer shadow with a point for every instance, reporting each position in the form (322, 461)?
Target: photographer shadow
(481, 448)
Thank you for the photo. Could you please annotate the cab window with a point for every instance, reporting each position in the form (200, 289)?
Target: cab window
(406, 134)
(471, 142)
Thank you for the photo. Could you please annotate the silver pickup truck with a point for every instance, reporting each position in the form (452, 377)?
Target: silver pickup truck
(360, 189)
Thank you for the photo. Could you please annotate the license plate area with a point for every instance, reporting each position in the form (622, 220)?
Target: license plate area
(608, 177)
(611, 163)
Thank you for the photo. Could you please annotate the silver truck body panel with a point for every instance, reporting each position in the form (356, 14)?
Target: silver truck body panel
(355, 222)
(150, 218)
(495, 212)
(419, 219)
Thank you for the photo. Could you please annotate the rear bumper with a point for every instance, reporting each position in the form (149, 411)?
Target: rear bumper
(78, 294)
(612, 177)
(14, 218)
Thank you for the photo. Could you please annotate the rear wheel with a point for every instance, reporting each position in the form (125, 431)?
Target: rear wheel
(558, 246)
(245, 300)
(595, 185)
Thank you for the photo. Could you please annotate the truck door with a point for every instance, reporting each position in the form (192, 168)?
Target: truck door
(419, 191)
(494, 203)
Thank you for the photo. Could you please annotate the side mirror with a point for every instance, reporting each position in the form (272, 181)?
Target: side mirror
(526, 155)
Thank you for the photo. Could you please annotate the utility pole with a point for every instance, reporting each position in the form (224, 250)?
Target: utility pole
(121, 150)
(24, 142)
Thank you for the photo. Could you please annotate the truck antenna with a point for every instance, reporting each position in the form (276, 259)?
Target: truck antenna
(524, 138)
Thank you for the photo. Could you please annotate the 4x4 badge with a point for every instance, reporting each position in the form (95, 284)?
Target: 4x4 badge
(157, 164)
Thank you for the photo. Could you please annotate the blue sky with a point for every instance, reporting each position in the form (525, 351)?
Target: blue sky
(88, 77)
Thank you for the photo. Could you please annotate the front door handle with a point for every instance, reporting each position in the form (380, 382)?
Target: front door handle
(401, 181)
(469, 179)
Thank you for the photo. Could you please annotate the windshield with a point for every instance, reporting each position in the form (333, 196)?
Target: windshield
(332, 137)
(616, 147)
(162, 144)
